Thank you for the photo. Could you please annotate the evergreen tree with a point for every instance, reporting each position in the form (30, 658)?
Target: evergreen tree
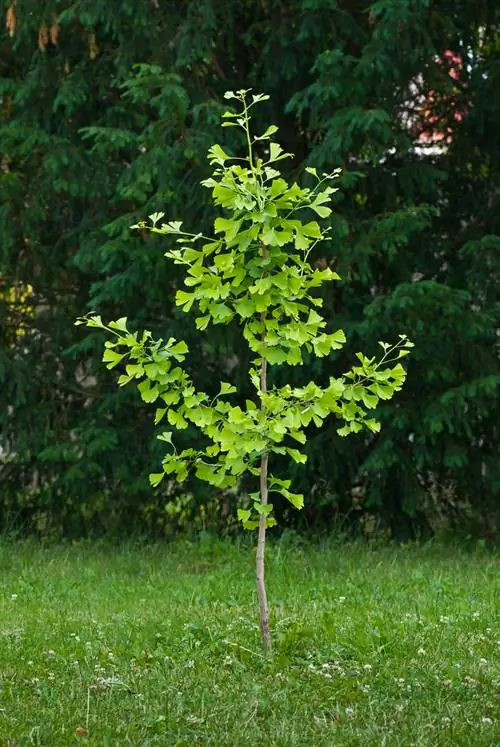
(106, 114)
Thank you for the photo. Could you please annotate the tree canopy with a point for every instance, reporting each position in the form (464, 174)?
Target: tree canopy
(107, 110)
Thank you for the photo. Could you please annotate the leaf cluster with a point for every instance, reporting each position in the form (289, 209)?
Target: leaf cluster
(256, 269)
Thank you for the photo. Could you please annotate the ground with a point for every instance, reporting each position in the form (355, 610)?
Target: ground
(159, 645)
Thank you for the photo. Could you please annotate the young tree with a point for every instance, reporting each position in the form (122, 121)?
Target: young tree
(255, 269)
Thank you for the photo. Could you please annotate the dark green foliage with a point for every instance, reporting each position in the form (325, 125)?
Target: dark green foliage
(108, 118)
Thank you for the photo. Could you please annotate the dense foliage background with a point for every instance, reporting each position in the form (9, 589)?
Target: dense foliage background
(107, 109)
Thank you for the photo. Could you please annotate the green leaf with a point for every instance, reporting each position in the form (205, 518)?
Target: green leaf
(252, 524)
(135, 370)
(296, 499)
(226, 388)
(112, 358)
(170, 398)
(271, 130)
(123, 379)
(321, 346)
(276, 153)
(159, 415)
(270, 238)
(259, 97)
(296, 455)
(217, 155)
(262, 508)
(221, 312)
(369, 400)
(301, 241)
(120, 324)
(372, 425)
(207, 472)
(171, 227)
(298, 436)
(155, 217)
(179, 350)
(312, 229)
(224, 262)
(184, 299)
(228, 226)
(165, 436)
(322, 211)
(338, 339)
(245, 308)
(202, 416)
(156, 478)
(202, 322)
(275, 355)
(148, 393)
(177, 420)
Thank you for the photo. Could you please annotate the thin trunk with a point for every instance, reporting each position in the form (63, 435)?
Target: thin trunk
(261, 545)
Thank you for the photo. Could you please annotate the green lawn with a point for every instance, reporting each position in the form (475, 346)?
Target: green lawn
(159, 645)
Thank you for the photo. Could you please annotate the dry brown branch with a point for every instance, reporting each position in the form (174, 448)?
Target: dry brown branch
(93, 47)
(55, 30)
(43, 37)
(11, 20)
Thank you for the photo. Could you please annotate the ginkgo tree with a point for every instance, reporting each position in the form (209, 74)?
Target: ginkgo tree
(255, 269)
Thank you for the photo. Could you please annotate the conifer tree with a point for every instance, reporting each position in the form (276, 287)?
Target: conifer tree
(106, 116)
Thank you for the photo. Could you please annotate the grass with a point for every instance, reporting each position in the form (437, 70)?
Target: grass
(159, 645)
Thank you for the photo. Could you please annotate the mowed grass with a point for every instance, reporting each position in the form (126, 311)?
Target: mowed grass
(159, 645)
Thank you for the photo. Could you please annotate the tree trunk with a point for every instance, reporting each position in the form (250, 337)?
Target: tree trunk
(261, 545)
